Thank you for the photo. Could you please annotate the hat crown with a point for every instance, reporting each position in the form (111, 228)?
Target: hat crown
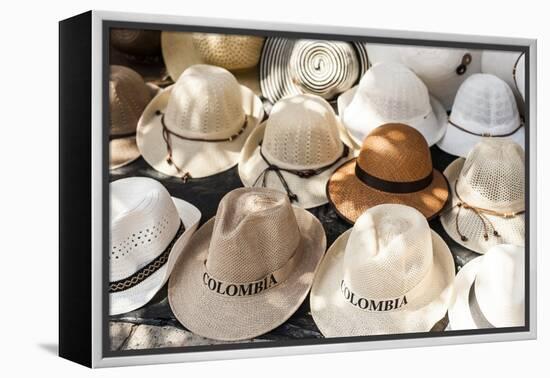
(485, 104)
(144, 220)
(205, 102)
(395, 152)
(324, 68)
(128, 97)
(302, 132)
(493, 176)
(233, 52)
(255, 233)
(389, 252)
(432, 62)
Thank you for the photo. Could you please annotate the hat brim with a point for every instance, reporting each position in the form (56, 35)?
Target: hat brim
(179, 53)
(432, 127)
(511, 230)
(311, 191)
(459, 143)
(460, 315)
(141, 294)
(228, 318)
(337, 318)
(199, 159)
(351, 197)
(122, 151)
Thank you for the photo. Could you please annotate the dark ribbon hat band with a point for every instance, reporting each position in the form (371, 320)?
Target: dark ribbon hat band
(486, 134)
(393, 186)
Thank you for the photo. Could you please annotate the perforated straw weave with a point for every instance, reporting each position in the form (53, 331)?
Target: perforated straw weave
(502, 64)
(233, 52)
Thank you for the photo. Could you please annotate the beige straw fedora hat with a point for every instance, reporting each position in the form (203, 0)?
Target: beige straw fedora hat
(149, 230)
(393, 166)
(484, 107)
(197, 127)
(389, 274)
(508, 66)
(296, 150)
(246, 271)
(136, 41)
(128, 97)
(441, 69)
(239, 54)
(490, 290)
(488, 196)
(391, 93)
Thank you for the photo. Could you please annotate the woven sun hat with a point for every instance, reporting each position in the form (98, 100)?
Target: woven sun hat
(488, 196)
(149, 230)
(136, 41)
(441, 69)
(197, 127)
(296, 150)
(128, 97)
(248, 269)
(239, 54)
(484, 107)
(388, 274)
(394, 165)
(391, 93)
(508, 66)
(490, 290)
(289, 67)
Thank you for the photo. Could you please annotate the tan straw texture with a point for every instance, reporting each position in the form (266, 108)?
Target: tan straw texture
(394, 153)
(136, 41)
(247, 270)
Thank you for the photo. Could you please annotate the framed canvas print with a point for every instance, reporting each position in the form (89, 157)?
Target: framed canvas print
(232, 189)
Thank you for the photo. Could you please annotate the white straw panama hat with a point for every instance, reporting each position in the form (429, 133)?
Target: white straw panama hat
(391, 93)
(490, 290)
(488, 196)
(128, 97)
(441, 69)
(389, 274)
(246, 271)
(149, 230)
(484, 107)
(239, 54)
(508, 66)
(197, 127)
(296, 150)
(290, 67)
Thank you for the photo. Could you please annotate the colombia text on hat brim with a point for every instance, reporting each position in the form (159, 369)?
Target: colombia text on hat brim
(220, 317)
(337, 318)
(200, 159)
(139, 295)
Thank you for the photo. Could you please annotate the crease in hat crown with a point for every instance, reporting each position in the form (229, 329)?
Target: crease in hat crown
(302, 132)
(485, 105)
(255, 233)
(388, 253)
(233, 52)
(205, 102)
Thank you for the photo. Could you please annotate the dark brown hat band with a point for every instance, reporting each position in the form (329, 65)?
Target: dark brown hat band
(392, 186)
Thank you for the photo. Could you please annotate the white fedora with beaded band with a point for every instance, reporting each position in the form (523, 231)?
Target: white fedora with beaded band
(149, 230)
(197, 127)
(389, 274)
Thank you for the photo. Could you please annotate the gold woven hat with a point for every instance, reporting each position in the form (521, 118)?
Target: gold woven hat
(197, 127)
(237, 53)
(389, 274)
(393, 166)
(296, 150)
(488, 196)
(246, 271)
(128, 97)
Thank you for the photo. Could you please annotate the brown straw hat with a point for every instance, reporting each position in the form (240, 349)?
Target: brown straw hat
(246, 271)
(393, 166)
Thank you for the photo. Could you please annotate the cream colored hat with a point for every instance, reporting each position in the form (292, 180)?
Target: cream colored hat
(389, 274)
(237, 53)
(490, 290)
(149, 230)
(128, 96)
(488, 196)
(246, 271)
(197, 127)
(391, 93)
(441, 69)
(296, 150)
(508, 66)
(484, 106)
